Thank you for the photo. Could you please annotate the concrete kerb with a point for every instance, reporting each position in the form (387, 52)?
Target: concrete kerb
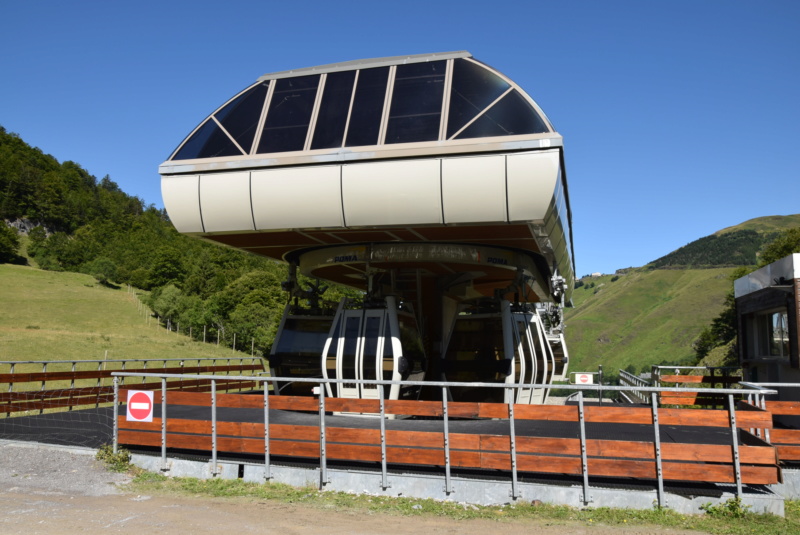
(790, 488)
(465, 490)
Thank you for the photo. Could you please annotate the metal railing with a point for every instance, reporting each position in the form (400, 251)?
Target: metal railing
(652, 392)
(634, 383)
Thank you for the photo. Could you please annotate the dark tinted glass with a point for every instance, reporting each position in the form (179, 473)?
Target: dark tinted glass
(289, 114)
(416, 107)
(351, 330)
(474, 87)
(365, 119)
(208, 142)
(509, 117)
(332, 116)
(372, 330)
(240, 117)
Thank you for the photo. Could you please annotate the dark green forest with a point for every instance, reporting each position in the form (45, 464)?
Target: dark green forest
(738, 248)
(81, 224)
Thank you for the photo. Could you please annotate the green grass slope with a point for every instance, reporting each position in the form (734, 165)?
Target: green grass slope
(47, 315)
(771, 223)
(644, 317)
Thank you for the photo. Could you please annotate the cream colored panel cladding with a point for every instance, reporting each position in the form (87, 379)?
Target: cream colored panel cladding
(181, 197)
(305, 197)
(225, 202)
(531, 184)
(474, 189)
(392, 193)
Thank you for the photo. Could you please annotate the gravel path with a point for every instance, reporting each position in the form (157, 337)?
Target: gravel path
(49, 490)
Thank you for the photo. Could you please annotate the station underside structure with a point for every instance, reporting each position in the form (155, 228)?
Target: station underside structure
(432, 179)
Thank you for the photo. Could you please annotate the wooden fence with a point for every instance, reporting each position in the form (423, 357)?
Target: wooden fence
(83, 383)
(701, 462)
(697, 377)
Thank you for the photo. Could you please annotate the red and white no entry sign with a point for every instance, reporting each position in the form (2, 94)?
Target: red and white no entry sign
(584, 378)
(140, 406)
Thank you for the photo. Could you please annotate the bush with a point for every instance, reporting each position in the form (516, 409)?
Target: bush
(116, 462)
(9, 244)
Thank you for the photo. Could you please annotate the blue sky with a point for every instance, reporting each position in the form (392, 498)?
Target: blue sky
(679, 118)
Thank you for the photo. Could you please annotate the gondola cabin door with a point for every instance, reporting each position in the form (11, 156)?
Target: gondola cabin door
(355, 351)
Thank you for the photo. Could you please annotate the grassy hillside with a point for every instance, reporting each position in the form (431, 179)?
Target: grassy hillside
(642, 318)
(770, 223)
(50, 315)
(738, 245)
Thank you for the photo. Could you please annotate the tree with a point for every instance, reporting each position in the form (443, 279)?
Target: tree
(102, 269)
(788, 242)
(9, 244)
(167, 268)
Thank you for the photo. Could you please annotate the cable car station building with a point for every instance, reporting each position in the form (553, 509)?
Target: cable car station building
(433, 183)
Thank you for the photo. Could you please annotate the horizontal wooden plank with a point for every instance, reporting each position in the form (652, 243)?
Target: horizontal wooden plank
(788, 453)
(241, 401)
(721, 473)
(427, 457)
(785, 436)
(714, 418)
(294, 432)
(31, 395)
(128, 437)
(369, 406)
(57, 403)
(784, 408)
(546, 464)
(553, 413)
(699, 379)
(294, 403)
(69, 375)
(414, 408)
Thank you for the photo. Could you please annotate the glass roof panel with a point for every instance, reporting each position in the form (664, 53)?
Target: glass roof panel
(416, 108)
(332, 117)
(365, 119)
(240, 117)
(208, 141)
(474, 87)
(511, 116)
(289, 114)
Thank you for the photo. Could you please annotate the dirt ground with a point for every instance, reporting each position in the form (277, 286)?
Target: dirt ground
(48, 490)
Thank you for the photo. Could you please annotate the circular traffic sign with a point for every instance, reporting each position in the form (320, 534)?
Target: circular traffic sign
(140, 406)
(583, 378)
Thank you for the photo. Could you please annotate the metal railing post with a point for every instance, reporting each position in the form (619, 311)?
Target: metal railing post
(267, 466)
(448, 484)
(735, 436)
(10, 388)
(662, 502)
(763, 404)
(513, 436)
(584, 458)
(164, 424)
(214, 466)
(116, 415)
(384, 476)
(323, 460)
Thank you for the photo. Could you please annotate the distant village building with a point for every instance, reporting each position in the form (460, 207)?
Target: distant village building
(768, 314)
(596, 274)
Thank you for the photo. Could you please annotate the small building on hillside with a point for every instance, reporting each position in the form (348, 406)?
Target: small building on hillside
(768, 314)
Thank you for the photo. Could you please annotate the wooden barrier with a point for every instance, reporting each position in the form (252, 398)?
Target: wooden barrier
(786, 441)
(81, 396)
(668, 397)
(537, 454)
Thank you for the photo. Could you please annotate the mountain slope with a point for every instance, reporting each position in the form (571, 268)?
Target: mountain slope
(738, 245)
(48, 315)
(642, 318)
